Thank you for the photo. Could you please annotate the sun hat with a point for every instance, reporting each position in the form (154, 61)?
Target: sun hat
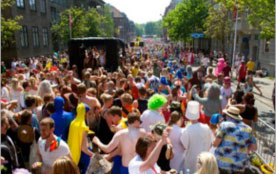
(25, 134)
(192, 112)
(164, 81)
(156, 101)
(233, 112)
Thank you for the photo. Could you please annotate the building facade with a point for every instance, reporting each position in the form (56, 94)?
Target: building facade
(124, 28)
(35, 37)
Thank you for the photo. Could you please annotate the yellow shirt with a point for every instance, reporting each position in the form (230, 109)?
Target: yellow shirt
(134, 72)
(250, 65)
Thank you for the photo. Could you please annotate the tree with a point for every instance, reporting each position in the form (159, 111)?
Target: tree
(217, 24)
(86, 23)
(186, 18)
(108, 22)
(261, 14)
(8, 25)
(150, 28)
(139, 30)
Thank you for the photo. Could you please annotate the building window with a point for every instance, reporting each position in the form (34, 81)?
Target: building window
(256, 37)
(32, 5)
(45, 36)
(20, 3)
(35, 37)
(24, 37)
(53, 14)
(43, 6)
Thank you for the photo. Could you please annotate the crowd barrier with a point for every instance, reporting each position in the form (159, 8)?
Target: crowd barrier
(265, 136)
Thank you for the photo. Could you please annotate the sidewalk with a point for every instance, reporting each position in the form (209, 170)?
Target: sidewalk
(266, 86)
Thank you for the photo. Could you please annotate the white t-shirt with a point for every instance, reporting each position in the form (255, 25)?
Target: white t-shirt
(48, 158)
(205, 61)
(196, 138)
(136, 162)
(225, 94)
(5, 94)
(150, 117)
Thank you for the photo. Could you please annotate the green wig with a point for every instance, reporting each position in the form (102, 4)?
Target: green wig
(156, 101)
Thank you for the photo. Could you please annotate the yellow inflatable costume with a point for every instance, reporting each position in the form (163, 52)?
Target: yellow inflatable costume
(76, 131)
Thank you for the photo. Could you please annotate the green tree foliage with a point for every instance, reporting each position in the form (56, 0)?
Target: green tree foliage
(86, 23)
(8, 25)
(108, 22)
(150, 28)
(261, 14)
(139, 30)
(186, 18)
(217, 24)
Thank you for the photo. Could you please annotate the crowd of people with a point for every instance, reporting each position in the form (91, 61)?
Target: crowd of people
(156, 114)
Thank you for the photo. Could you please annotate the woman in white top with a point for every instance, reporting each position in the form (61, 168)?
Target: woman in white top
(5, 92)
(33, 83)
(145, 162)
(16, 91)
(176, 121)
(45, 88)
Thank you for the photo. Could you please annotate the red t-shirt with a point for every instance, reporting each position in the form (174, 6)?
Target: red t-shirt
(242, 71)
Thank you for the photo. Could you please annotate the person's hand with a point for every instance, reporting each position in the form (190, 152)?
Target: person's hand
(95, 140)
(2, 160)
(165, 136)
(36, 165)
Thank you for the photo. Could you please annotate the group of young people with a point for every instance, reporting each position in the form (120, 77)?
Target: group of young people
(156, 114)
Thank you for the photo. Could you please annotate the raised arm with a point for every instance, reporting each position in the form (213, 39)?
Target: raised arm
(154, 155)
(112, 144)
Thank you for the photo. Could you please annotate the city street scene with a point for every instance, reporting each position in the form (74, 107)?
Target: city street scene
(138, 87)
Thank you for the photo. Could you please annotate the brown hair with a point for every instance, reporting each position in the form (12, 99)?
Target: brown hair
(115, 110)
(47, 98)
(64, 165)
(142, 91)
(25, 117)
(81, 88)
(175, 116)
(127, 98)
(132, 117)
(142, 146)
(47, 122)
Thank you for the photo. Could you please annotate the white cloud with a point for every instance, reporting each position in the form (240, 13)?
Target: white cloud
(141, 11)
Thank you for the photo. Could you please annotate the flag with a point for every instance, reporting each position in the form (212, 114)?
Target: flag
(235, 12)
(70, 18)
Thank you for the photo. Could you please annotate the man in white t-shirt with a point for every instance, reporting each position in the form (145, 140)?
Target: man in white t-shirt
(196, 138)
(205, 62)
(153, 82)
(152, 115)
(50, 147)
(125, 140)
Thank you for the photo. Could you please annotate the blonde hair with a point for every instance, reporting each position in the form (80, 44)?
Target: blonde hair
(64, 165)
(106, 97)
(207, 163)
(14, 83)
(45, 88)
(32, 81)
